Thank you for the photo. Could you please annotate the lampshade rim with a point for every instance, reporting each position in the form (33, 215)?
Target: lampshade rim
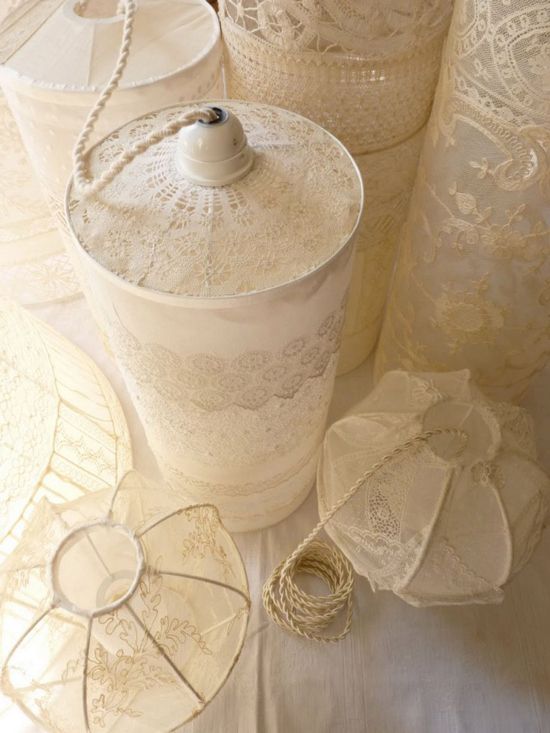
(226, 300)
(9, 74)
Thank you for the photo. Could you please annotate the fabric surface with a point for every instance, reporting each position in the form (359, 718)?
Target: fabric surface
(475, 669)
(472, 282)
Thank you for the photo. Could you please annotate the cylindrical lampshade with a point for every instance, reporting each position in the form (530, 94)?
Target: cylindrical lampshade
(449, 519)
(62, 430)
(388, 178)
(472, 283)
(223, 304)
(34, 268)
(366, 71)
(121, 611)
(56, 55)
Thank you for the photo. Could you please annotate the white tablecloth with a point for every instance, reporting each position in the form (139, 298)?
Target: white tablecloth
(476, 669)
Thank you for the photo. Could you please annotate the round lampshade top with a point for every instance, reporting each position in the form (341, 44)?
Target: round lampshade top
(72, 45)
(276, 221)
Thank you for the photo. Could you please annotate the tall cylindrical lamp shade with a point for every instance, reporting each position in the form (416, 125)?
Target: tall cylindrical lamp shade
(472, 284)
(62, 430)
(366, 71)
(223, 304)
(58, 54)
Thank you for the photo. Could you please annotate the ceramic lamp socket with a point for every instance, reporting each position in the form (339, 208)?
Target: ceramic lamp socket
(214, 153)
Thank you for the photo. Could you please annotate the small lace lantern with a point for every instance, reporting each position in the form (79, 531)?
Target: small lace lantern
(62, 430)
(366, 70)
(121, 611)
(218, 262)
(55, 55)
(446, 520)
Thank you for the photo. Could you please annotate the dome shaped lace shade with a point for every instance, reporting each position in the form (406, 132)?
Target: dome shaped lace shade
(51, 84)
(149, 638)
(472, 280)
(289, 215)
(62, 430)
(449, 520)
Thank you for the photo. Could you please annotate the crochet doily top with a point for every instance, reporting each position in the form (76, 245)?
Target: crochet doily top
(296, 208)
(72, 45)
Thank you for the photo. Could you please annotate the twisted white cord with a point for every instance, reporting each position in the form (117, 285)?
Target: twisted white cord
(309, 615)
(83, 182)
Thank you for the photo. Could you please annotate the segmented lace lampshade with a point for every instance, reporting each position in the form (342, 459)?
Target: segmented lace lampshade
(62, 430)
(121, 611)
(449, 520)
(366, 70)
(224, 304)
(472, 280)
(56, 55)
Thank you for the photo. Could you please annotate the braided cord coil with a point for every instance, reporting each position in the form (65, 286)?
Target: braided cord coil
(309, 615)
(84, 183)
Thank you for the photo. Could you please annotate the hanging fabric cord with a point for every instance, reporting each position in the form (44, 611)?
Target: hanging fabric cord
(309, 615)
(84, 183)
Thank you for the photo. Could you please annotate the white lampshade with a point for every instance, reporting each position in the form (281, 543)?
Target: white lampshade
(62, 430)
(224, 304)
(120, 611)
(366, 70)
(56, 55)
(449, 519)
(472, 279)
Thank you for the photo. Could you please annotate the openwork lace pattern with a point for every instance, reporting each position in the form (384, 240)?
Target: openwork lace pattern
(175, 634)
(411, 527)
(354, 95)
(62, 430)
(151, 226)
(472, 286)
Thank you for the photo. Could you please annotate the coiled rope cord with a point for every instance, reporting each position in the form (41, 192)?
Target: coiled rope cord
(84, 183)
(308, 615)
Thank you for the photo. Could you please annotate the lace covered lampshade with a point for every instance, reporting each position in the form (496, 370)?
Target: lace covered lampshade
(446, 520)
(366, 70)
(62, 431)
(223, 304)
(121, 611)
(472, 282)
(55, 56)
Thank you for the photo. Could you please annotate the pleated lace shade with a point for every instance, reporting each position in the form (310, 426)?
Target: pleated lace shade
(56, 55)
(62, 431)
(472, 284)
(228, 337)
(450, 519)
(366, 71)
(121, 611)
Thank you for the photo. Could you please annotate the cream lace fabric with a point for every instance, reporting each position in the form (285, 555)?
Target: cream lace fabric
(472, 286)
(62, 430)
(53, 62)
(450, 520)
(231, 370)
(366, 71)
(388, 177)
(151, 636)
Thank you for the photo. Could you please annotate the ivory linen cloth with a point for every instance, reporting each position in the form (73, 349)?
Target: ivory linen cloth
(475, 669)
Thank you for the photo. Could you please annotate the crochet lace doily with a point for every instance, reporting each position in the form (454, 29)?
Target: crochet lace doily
(296, 208)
